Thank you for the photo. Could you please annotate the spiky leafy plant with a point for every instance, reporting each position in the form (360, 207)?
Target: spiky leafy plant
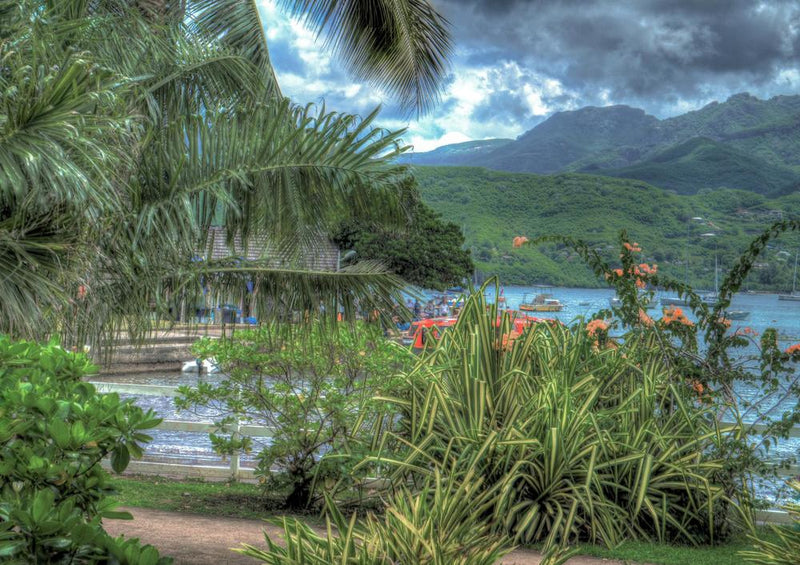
(587, 438)
(786, 549)
(441, 523)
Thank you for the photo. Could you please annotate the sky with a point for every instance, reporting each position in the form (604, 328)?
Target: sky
(518, 61)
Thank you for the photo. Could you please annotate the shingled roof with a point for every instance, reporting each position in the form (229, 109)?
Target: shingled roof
(322, 255)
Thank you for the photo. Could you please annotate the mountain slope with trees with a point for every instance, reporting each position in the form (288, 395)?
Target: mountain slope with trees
(493, 207)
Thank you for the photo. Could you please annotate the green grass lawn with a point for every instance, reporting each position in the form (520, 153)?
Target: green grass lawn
(236, 500)
(244, 500)
(659, 554)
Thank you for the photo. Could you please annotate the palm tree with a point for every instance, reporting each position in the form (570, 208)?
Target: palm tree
(129, 127)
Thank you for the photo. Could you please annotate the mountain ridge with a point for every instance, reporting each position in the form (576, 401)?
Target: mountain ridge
(759, 137)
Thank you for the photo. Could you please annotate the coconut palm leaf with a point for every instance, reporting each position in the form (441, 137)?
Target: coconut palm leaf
(399, 45)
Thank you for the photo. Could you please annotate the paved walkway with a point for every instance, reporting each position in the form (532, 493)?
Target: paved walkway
(205, 540)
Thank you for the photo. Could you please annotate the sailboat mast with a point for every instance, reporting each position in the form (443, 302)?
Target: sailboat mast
(794, 280)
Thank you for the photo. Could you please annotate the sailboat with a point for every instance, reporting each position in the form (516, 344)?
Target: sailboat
(713, 297)
(794, 296)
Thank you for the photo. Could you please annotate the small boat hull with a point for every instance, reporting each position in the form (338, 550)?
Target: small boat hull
(737, 314)
(541, 307)
(674, 301)
(789, 297)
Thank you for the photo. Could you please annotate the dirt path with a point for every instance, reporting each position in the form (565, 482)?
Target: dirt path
(205, 540)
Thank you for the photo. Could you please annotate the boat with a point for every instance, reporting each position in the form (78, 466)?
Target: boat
(207, 366)
(713, 297)
(794, 296)
(543, 302)
(736, 314)
(675, 301)
(616, 302)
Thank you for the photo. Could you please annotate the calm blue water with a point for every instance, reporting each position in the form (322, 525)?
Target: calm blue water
(765, 311)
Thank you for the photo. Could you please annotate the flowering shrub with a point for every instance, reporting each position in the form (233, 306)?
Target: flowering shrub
(706, 353)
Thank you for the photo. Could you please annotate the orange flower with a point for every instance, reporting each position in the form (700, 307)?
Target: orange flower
(520, 240)
(640, 283)
(632, 247)
(792, 349)
(673, 314)
(596, 326)
(698, 387)
(81, 292)
(725, 322)
(644, 319)
(647, 269)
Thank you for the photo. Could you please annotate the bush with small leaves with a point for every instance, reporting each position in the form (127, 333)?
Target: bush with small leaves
(314, 387)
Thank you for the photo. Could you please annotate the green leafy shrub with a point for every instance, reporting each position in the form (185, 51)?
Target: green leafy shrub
(587, 439)
(314, 387)
(785, 551)
(441, 524)
(54, 432)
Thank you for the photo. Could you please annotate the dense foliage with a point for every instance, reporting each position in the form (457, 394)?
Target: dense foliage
(584, 438)
(314, 388)
(54, 432)
(493, 207)
(129, 127)
(427, 252)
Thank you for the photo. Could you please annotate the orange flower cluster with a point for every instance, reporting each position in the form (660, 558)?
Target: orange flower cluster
(641, 273)
(724, 321)
(698, 387)
(596, 326)
(792, 349)
(747, 331)
(632, 247)
(520, 240)
(645, 319)
(676, 315)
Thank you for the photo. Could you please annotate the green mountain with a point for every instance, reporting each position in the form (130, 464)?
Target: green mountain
(702, 162)
(742, 143)
(493, 207)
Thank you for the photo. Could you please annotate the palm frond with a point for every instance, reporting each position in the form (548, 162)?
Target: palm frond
(400, 45)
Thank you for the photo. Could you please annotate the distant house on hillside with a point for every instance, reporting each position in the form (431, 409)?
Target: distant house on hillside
(321, 255)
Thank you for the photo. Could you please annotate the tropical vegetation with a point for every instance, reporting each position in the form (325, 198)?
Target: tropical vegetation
(55, 430)
(129, 127)
(316, 391)
(427, 252)
(786, 547)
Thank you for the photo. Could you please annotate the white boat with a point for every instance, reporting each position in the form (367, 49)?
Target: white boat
(736, 314)
(794, 296)
(207, 366)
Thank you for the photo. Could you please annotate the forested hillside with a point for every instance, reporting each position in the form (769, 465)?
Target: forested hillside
(492, 207)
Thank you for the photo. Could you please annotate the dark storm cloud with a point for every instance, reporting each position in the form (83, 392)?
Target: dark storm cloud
(643, 52)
